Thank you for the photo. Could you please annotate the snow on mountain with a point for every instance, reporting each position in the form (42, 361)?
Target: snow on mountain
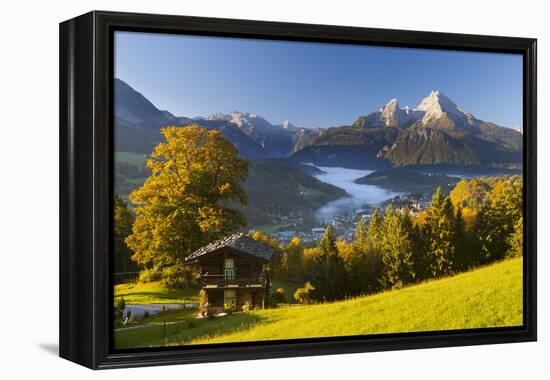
(432, 108)
(436, 105)
(248, 120)
(390, 115)
(218, 116)
(288, 125)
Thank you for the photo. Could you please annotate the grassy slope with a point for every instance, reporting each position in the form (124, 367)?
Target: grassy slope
(487, 297)
(171, 316)
(136, 159)
(154, 292)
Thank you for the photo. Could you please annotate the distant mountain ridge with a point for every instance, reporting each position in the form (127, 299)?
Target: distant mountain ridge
(390, 115)
(139, 121)
(439, 112)
(437, 131)
(277, 140)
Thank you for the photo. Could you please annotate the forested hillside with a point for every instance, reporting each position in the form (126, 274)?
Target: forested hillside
(401, 180)
(350, 147)
(276, 189)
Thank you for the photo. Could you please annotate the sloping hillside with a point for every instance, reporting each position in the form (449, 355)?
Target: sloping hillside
(276, 188)
(431, 146)
(486, 297)
(350, 147)
(402, 180)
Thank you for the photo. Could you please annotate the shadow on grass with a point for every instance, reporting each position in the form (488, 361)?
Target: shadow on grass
(180, 333)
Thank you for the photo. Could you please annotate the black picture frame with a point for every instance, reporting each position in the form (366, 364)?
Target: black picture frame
(86, 180)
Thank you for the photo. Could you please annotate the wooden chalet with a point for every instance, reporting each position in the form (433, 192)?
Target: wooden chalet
(233, 271)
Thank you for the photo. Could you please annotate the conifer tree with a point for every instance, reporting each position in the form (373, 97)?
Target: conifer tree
(397, 246)
(360, 240)
(364, 263)
(463, 250)
(328, 272)
(498, 217)
(295, 258)
(373, 259)
(123, 219)
(439, 236)
(515, 241)
(374, 227)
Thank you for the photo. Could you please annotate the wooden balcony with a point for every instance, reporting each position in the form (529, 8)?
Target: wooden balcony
(224, 281)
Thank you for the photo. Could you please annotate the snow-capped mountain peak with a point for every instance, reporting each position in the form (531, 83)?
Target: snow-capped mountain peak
(431, 109)
(253, 121)
(391, 105)
(392, 115)
(391, 108)
(218, 116)
(435, 105)
(288, 125)
(239, 118)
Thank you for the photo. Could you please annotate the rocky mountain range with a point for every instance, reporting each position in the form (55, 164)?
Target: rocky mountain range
(437, 131)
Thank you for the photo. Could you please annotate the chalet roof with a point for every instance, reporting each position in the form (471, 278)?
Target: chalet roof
(239, 242)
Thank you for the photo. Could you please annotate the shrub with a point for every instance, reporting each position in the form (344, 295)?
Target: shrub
(203, 299)
(149, 275)
(515, 240)
(203, 303)
(146, 314)
(120, 305)
(228, 308)
(173, 277)
(190, 322)
(302, 295)
(279, 296)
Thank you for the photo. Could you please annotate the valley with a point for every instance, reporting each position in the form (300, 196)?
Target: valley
(361, 196)
(405, 180)
(278, 189)
(300, 179)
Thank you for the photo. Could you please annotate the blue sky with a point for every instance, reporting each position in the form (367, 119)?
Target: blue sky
(311, 84)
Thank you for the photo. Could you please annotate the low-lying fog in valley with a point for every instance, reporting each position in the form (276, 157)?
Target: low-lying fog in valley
(359, 194)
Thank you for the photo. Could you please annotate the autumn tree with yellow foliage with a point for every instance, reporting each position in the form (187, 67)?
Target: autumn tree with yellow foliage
(196, 178)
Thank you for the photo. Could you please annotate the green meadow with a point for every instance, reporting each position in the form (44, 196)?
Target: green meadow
(136, 159)
(486, 297)
(154, 292)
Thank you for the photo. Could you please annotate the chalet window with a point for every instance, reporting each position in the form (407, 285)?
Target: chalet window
(230, 298)
(229, 269)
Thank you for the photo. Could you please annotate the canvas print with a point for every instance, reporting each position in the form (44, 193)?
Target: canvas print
(272, 190)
